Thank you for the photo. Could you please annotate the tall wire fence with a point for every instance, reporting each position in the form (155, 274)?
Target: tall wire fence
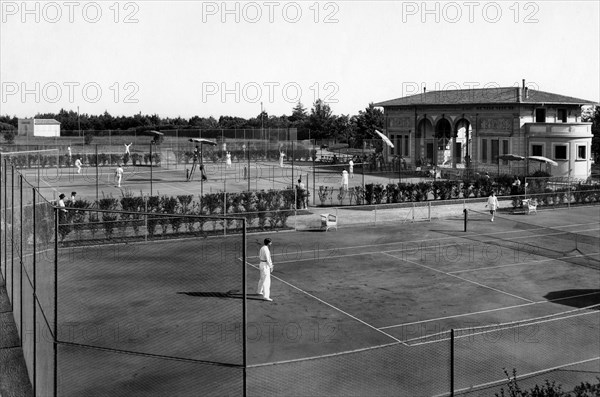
(86, 311)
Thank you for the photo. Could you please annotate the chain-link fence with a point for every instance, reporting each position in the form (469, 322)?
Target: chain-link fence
(95, 315)
(141, 302)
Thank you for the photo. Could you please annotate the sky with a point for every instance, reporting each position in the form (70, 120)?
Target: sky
(214, 58)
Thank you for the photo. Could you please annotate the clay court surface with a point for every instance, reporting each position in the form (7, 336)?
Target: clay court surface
(171, 179)
(379, 301)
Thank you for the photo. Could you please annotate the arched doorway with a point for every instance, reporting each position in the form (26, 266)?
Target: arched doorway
(424, 143)
(443, 135)
(462, 142)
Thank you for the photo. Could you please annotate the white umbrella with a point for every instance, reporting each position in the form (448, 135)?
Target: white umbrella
(385, 138)
(543, 159)
(202, 140)
(512, 157)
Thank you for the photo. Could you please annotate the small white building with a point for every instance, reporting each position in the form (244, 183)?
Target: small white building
(39, 127)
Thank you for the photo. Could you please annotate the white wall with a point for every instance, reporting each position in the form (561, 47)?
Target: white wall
(47, 130)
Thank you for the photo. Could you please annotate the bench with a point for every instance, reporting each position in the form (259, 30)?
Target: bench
(530, 206)
(328, 221)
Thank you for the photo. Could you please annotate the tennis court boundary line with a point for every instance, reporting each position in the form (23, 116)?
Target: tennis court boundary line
(521, 376)
(461, 278)
(295, 360)
(413, 242)
(489, 311)
(524, 263)
(332, 306)
(498, 327)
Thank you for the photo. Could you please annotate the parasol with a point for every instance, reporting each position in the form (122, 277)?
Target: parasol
(385, 138)
(203, 141)
(512, 157)
(543, 159)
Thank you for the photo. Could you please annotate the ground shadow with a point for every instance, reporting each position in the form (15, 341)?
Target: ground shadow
(575, 297)
(228, 294)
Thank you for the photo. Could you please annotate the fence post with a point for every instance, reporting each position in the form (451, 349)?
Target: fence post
(146, 217)
(375, 214)
(244, 308)
(55, 326)
(569, 194)
(452, 362)
(34, 365)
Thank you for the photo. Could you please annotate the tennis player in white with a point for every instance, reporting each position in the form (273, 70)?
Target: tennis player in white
(493, 204)
(266, 267)
(119, 175)
(78, 165)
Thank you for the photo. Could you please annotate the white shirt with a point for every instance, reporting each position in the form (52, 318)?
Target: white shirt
(78, 163)
(119, 172)
(344, 177)
(265, 255)
(493, 203)
(351, 164)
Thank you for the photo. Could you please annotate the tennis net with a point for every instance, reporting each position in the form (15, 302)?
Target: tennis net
(578, 244)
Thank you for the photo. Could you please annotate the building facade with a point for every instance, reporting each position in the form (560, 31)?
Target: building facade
(453, 129)
(39, 127)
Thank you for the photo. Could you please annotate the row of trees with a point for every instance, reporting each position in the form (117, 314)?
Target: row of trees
(318, 123)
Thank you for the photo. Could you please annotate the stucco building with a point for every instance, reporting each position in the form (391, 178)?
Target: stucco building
(39, 127)
(451, 129)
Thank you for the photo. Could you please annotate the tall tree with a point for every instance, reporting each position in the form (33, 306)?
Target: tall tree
(299, 114)
(320, 120)
(592, 115)
(366, 122)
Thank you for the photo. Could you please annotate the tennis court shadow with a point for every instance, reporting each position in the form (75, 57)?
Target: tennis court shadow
(578, 298)
(228, 294)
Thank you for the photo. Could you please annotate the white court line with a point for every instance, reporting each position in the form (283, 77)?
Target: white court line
(332, 306)
(462, 278)
(521, 376)
(322, 356)
(412, 242)
(496, 327)
(523, 263)
(435, 247)
(489, 311)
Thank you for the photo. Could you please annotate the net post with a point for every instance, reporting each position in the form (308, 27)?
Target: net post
(466, 216)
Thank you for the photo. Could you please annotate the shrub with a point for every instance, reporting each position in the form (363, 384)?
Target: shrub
(378, 193)
(133, 204)
(548, 389)
(169, 205)
(136, 159)
(153, 206)
(369, 195)
(108, 218)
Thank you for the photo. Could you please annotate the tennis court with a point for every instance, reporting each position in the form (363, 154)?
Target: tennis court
(359, 311)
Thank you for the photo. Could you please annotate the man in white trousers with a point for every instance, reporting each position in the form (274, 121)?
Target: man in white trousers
(493, 204)
(266, 267)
